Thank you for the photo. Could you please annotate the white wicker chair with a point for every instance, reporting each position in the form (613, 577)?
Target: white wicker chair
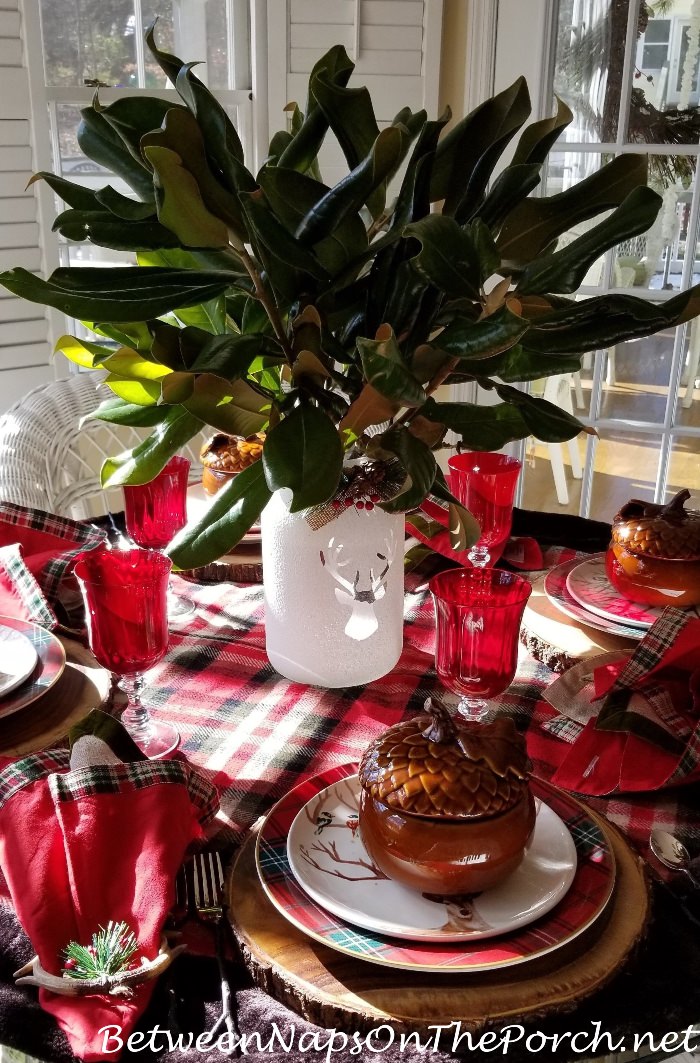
(48, 461)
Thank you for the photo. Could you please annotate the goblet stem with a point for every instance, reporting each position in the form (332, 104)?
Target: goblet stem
(479, 556)
(154, 738)
(473, 709)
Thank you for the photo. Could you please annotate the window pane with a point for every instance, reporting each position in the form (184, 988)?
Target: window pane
(688, 403)
(684, 469)
(625, 467)
(539, 488)
(217, 44)
(655, 260)
(664, 90)
(165, 39)
(636, 379)
(86, 41)
(588, 65)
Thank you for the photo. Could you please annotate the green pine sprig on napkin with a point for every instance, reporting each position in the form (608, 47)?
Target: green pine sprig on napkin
(111, 951)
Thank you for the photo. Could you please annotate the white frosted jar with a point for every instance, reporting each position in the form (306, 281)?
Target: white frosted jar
(334, 595)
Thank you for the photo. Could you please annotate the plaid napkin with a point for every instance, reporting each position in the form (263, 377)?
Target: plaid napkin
(633, 723)
(37, 552)
(92, 835)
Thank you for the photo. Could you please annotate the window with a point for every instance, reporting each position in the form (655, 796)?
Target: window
(78, 47)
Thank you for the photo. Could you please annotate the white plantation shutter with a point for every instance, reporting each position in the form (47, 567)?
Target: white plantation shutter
(395, 45)
(24, 347)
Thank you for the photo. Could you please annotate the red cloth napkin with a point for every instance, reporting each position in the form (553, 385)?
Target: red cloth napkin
(48, 546)
(646, 735)
(81, 846)
(21, 596)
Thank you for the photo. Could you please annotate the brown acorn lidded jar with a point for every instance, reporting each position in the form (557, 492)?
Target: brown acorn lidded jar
(224, 456)
(654, 553)
(445, 805)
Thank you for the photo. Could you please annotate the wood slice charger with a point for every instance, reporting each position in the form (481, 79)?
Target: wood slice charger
(332, 989)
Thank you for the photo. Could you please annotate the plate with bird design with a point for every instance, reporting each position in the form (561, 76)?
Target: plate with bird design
(315, 870)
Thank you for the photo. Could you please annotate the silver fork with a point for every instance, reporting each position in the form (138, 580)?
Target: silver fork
(207, 891)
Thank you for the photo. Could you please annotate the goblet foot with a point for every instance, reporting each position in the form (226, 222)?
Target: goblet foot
(154, 738)
(179, 609)
(474, 709)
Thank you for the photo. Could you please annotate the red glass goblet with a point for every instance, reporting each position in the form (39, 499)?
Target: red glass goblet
(125, 595)
(485, 483)
(155, 512)
(478, 614)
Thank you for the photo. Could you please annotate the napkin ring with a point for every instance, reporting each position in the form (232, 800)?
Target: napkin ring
(115, 985)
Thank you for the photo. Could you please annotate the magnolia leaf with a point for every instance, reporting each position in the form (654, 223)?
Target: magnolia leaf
(104, 229)
(464, 529)
(304, 454)
(144, 461)
(544, 420)
(233, 407)
(370, 407)
(448, 259)
(509, 189)
(418, 462)
(475, 340)
(100, 142)
(74, 195)
(385, 369)
(180, 205)
(81, 352)
(117, 411)
(223, 524)
(535, 141)
(479, 427)
(116, 293)
(564, 270)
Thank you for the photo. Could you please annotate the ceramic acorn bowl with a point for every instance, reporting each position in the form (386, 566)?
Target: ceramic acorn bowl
(445, 805)
(224, 456)
(654, 553)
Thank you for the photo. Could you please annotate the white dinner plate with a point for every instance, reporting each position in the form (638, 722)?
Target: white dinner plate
(328, 859)
(558, 594)
(18, 659)
(588, 583)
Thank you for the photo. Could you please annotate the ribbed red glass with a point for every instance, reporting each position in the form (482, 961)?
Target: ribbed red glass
(478, 615)
(485, 483)
(125, 594)
(155, 512)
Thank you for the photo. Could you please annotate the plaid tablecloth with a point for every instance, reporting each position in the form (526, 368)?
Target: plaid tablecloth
(259, 734)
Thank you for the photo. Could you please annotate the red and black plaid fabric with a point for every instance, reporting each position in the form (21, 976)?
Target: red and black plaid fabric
(258, 735)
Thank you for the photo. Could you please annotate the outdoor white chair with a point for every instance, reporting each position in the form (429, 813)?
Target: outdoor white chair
(48, 461)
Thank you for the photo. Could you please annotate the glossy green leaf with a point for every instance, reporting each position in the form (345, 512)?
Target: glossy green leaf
(229, 406)
(74, 195)
(518, 364)
(544, 420)
(466, 157)
(474, 340)
(132, 334)
(535, 223)
(292, 195)
(100, 142)
(180, 205)
(144, 461)
(106, 230)
(269, 231)
(564, 270)
(448, 258)
(464, 529)
(509, 189)
(233, 512)
(385, 369)
(82, 352)
(131, 117)
(116, 293)
(116, 411)
(124, 207)
(304, 454)
(352, 191)
(479, 427)
(301, 152)
(536, 141)
(418, 462)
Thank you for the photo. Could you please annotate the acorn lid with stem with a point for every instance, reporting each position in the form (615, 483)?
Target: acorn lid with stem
(670, 532)
(437, 765)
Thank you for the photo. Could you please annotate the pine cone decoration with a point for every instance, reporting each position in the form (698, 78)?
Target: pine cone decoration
(231, 454)
(654, 531)
(445, 768)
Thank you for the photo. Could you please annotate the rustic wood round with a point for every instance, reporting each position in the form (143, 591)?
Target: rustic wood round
(335, 990)
(82, 686)
(558, 640)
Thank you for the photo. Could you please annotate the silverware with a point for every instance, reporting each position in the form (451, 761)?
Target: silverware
(207, 896)
(672, 853)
